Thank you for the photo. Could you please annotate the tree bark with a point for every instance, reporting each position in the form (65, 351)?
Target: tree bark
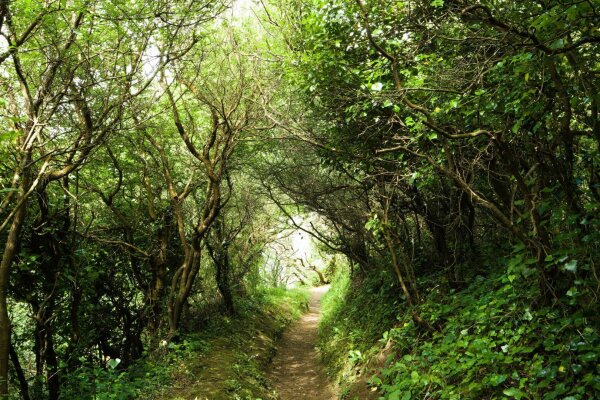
(217, 248)
(20, 374)
(181, 287)
(10, 250)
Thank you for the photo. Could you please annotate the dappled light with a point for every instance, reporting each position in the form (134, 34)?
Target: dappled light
(299, 199)
(296, 371)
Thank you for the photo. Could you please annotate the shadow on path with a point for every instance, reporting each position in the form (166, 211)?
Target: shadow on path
(296, 372)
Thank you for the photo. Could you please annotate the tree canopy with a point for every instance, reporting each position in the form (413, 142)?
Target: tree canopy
(154, 156)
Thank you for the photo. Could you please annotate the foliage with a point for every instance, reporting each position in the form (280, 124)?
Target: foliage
(228, 353)
(439, 116)
(111, 383)
(355, 313)
(490, 342)
(154, 154)
(127, 199)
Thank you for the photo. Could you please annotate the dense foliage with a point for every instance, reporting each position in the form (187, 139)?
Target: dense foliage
(465, 132)
(489, 343)
(126, 205)
(154, 154)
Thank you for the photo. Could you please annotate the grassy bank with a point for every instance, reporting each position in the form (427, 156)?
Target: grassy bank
(225, 359)
(488, 343)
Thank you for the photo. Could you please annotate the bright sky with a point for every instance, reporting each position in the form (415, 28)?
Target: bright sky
(301, 245)
(294, 245)
(242, 9)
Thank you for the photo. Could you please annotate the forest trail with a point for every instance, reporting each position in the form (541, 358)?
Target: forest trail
(296, 372)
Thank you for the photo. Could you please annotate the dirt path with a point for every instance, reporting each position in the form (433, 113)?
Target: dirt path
(296, 372)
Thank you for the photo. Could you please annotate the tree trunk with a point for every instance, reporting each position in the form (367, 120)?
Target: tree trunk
(156, 292)
(322, 279)
(181, 287)
(222, 270)
(52, 375)
(10, 250)
(20, 374)
(158, 266)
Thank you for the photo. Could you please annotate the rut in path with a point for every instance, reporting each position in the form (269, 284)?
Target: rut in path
(296, 372)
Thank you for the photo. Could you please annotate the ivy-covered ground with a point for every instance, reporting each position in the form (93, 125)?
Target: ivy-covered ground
(488, 343)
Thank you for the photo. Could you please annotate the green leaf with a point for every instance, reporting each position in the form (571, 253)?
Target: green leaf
(414, 375)
(395, 395)
(498, 379)
(571, 266)
(413, 177)
(377, 86)
(114, 362)
(513, 392)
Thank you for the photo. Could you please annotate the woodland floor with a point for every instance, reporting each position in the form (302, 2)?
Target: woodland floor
(296, 372)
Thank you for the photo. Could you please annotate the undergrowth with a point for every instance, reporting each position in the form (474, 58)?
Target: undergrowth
(491, 344)
(224, 360)
(355, 314)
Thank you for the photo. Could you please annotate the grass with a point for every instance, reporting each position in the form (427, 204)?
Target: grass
(227, 360)
(355, 315)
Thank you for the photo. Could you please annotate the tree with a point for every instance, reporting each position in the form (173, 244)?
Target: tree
(73, 87)
(433, 97)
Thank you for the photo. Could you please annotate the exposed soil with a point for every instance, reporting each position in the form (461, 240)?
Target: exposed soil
(296, 371)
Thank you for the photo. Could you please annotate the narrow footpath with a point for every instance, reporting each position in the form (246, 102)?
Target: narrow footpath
(296, 372)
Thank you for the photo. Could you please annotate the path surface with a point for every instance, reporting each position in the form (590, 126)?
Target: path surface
(296, 372)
